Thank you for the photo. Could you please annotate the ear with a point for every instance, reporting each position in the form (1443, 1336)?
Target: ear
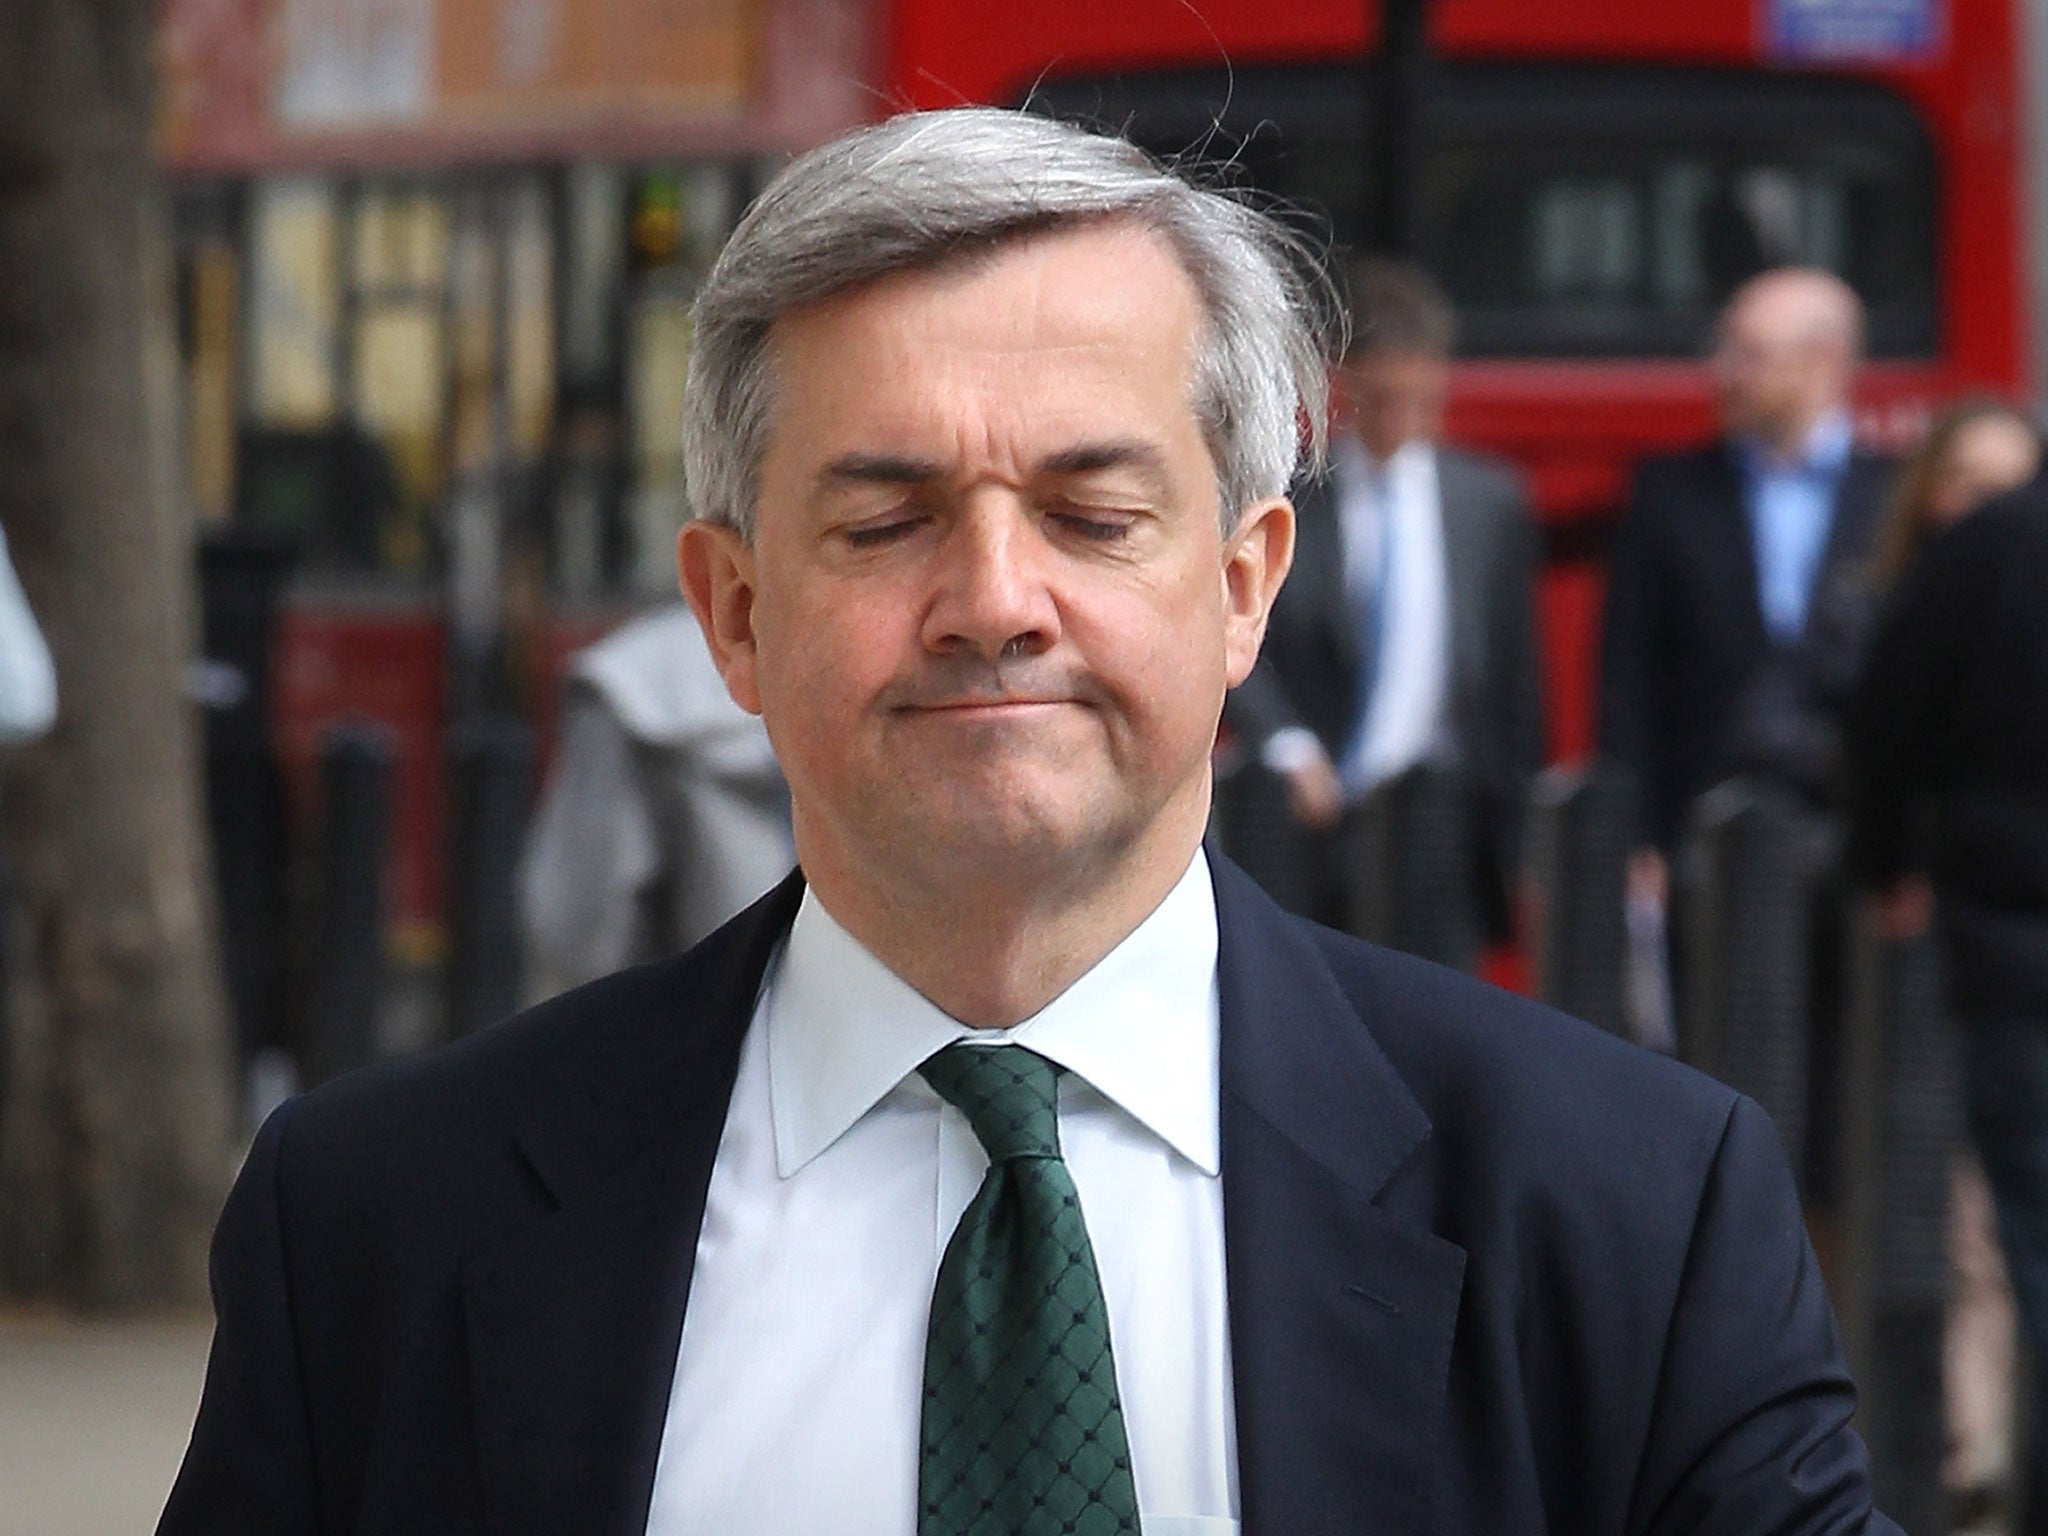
(716, 567)
(1255, 561)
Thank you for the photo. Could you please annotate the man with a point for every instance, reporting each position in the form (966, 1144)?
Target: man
(1407, 635)
(1734, 618)
(990, 426)
(1725, 554)
(1949, 736)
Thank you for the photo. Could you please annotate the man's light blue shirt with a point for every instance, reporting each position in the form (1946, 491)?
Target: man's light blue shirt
(1791, 506)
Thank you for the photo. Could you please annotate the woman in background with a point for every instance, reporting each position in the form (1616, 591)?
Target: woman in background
(1978, 448)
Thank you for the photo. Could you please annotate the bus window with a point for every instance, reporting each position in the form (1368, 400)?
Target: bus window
(1628, 248)
(1584, 210)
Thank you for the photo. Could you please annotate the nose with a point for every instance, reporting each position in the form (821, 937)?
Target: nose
(991, 593)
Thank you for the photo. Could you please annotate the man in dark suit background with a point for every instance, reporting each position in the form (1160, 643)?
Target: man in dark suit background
(1722, 591)
(989, 431)
(1407, 633)
(1736, 611)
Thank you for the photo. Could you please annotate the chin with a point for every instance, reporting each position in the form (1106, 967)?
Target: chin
(1008, 844)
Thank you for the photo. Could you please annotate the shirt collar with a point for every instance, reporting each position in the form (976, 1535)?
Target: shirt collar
(1353, 461)
(1825, 451)
(1140, 1028)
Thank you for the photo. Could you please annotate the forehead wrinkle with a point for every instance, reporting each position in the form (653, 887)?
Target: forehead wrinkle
(961, 352)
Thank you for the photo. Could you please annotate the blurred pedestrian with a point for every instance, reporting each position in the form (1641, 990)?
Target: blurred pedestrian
(1734, 621)
(1977, 448)
(1724, 553)
(1949, 751)
(1406, 633)
(664, 814)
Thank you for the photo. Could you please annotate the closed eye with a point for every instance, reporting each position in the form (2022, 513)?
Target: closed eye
(874, 535)
(1100, 525)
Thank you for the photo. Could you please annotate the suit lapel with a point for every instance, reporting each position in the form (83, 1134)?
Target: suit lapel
(1342, 1314)
(1732, 542)
(573, 1323)
(1319, 568)
(1857, 502)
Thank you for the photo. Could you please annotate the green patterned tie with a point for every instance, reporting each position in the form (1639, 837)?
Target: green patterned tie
(1023, 1434)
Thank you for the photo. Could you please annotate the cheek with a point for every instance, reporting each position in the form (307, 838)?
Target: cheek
(1170, 661)
(826, 651)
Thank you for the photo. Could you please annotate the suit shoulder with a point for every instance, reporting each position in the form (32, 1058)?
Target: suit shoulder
(2015, 523)
(1495, 1070)
(584, 1043)
(1498, 476)
(1700, 459)
(484, 1080)
(1703, 470)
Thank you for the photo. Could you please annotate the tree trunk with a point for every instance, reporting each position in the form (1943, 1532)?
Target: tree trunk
(114, 1121)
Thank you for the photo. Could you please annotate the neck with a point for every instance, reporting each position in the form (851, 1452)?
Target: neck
(991, 943)
(1788, 439)
(1385, 458)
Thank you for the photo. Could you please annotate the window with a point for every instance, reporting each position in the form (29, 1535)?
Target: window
(1582, 210)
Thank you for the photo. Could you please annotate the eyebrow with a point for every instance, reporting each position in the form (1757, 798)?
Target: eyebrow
(880, 469)
(1081, 459)
(1086, 458)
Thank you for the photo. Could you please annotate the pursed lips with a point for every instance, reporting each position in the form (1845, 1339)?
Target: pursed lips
(963, 694)
(992, 705)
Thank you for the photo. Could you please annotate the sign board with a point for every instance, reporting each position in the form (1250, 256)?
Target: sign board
(1854, 31)
(515, 58)
(347, 63)
(250, 85)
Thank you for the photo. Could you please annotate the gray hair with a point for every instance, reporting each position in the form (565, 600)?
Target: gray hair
(927, 187)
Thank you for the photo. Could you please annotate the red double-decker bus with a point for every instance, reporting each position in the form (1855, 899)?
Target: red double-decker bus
(436, 259)
(1595, 176)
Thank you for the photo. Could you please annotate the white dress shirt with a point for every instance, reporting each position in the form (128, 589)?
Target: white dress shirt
(838, 1182)
(1408, 721)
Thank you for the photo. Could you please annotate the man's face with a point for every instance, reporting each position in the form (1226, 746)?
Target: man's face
(988, 613)
(1985, 458)
(1393, 397)
(1770, 370)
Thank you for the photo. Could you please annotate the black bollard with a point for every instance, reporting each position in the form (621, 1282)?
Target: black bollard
(490, 766)
(240, 578)
(1904, 1127)
(1578, 843)
(1411, 850)
(1258, 832)
(1745, 925)
(355, 840)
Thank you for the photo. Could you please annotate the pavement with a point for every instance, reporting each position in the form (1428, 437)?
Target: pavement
(94, 1415)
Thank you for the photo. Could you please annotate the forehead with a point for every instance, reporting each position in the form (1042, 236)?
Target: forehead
(1787, 311)
(1031, 339)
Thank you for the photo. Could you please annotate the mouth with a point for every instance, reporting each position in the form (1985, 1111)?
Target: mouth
(986, 709)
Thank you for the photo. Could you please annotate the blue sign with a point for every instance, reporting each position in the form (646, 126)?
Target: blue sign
(1854, 31)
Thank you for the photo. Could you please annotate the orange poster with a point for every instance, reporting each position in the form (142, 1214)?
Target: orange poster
(507, 59)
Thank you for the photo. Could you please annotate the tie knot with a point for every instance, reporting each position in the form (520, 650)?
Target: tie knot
(1008, 1094)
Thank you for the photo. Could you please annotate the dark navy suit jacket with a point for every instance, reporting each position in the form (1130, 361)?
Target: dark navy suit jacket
(1489, 1270)
(1684, 632)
